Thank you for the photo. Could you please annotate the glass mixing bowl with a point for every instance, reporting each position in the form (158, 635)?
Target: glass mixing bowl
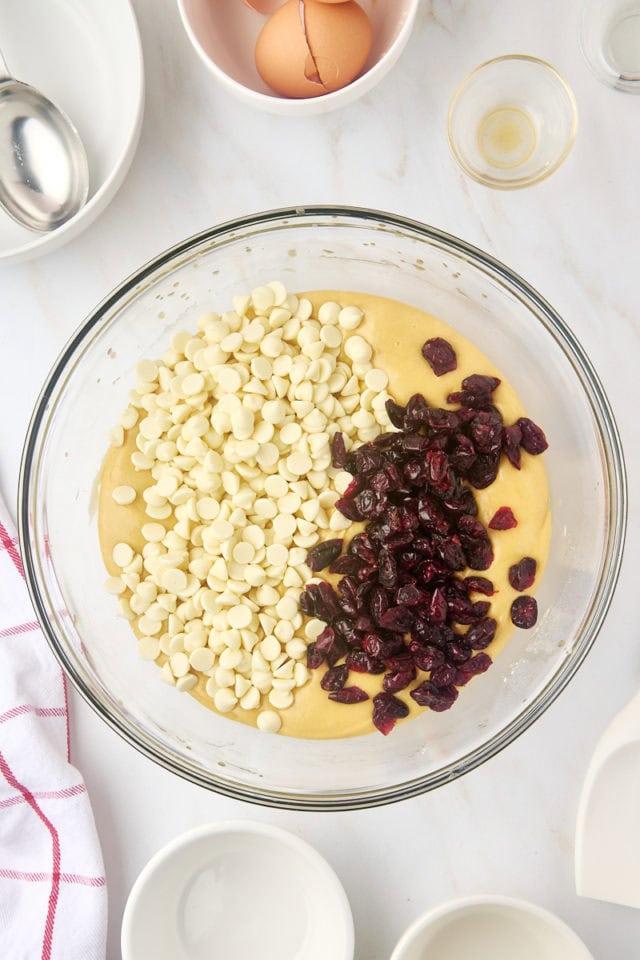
(316, 248)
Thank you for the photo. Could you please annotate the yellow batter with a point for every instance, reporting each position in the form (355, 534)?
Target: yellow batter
(396, 332)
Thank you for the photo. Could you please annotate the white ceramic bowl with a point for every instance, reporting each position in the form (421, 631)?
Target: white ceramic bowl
(87, 58)
(224, 34)
(490, 926)
(237, 889)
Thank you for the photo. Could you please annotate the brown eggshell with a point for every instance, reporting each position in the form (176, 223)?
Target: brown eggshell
(309, 57)
(270, 6)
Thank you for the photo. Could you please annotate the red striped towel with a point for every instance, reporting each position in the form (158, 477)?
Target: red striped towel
(53, 900)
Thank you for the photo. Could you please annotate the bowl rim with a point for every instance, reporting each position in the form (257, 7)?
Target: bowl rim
(250, 828)
(616, 520)
(515, 183)
(462, 904)
(289, 106)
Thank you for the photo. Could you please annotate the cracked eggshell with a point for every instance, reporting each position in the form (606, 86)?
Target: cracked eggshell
(270, 6)
(312, 48)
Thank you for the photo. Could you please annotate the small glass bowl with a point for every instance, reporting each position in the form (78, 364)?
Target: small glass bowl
(610, 40)
(512, 122)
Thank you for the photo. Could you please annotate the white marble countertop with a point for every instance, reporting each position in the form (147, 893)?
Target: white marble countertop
(508, 826)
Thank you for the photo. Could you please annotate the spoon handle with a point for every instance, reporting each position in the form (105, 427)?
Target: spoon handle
(4, 69)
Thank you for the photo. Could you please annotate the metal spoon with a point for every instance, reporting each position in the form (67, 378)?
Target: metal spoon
(44, 177)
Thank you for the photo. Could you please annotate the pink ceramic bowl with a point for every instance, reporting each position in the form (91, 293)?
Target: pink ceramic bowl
(224, 34)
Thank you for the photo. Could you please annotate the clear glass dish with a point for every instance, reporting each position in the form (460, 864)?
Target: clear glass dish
(610, 41)
(320, 247)
(512, 122)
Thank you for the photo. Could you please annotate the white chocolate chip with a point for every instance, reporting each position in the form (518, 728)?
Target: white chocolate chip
(122, 555)
(269, 721)
(239, 616)
(123, 495)
(376, 380)
(115, 585)
(280, 699)
(224, 700)
(186, 683)
(350, 318)
(251, 699)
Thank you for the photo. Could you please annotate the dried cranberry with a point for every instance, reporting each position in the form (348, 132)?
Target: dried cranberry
(325, 640)
(480, 634)
(477, 664)
(440, 356)
(433, 570)
(335, 678)
(345, 629)
(361, 662)
(348, 509)
(338, 451)
(443, 675)
(458, 652)
(463, 455)
(511, 438)
(362, 547)
(325, 601)
(461, 610)
(486, 431)
(484, 470)
(479, 554)
(349, 695)
(524, 612)
(480, 383)
(399, 619)
(428, 658)
(395, 413)
(379, 603)
(438, 606)
(393, 682)
(451, 553)
(479, 585)
(410, 595)
(345, 564)
(387, 569)
(338, 652)
(426, 633)
(503, 519)
(401, 661)
(380, 482)
(315, 658)
(323, 554)
(471, 527)
(387, 709)
(416, 412)
(533, 438)
(368, 459)
(437, 698)
(365, 504)
(522, 574)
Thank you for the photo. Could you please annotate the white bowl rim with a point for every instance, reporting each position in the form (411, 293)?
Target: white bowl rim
(324, 103)
(460, 904)
(109, 187)
(249, 827)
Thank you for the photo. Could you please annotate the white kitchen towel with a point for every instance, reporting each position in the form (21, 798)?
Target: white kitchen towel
(53, 898)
